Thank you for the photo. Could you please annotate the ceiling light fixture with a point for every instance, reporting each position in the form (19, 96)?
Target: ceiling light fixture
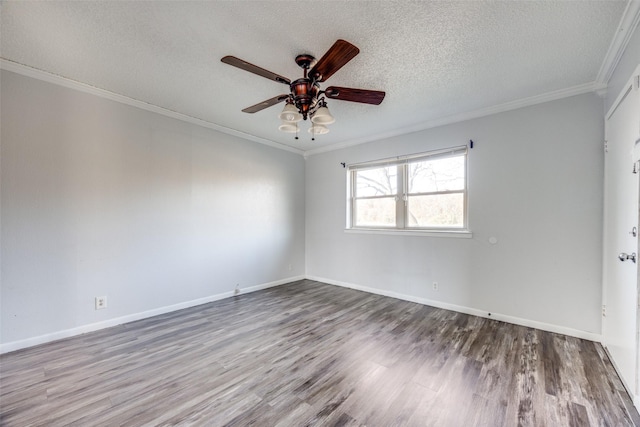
(322, 116)
(319, 113)
(316, 129)
(288, 127)
(290, 113)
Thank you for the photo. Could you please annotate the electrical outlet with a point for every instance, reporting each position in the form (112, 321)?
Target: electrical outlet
(101, 302)
(435, 286)
(236, 291)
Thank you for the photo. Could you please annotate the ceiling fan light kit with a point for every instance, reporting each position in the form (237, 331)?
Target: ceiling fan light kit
(317, 129)
(305, 98)
(290, 114)
(288, 127)
(322, 116)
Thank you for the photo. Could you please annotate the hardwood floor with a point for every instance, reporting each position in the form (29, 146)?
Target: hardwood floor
(310, 354)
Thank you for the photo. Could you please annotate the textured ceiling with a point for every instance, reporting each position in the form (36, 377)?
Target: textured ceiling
(433, 59)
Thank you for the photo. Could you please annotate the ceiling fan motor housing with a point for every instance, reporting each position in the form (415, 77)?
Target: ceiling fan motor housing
(305, 95)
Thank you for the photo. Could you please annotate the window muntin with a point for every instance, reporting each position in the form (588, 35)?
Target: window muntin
(422, 192)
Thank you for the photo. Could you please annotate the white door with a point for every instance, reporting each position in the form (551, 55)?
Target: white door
(620, 274)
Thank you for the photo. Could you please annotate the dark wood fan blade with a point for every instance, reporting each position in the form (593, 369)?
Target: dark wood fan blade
(244, 65)
(336, 57)
(365, 96)
(264, 104)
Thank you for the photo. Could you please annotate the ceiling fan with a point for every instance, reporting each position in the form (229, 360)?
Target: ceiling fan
(305, 98)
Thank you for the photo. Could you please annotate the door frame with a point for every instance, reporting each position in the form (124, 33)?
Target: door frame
(636, 158)
(633, 84)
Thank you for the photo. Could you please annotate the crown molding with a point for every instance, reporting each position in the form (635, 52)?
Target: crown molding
(474, 114)
(35, 73)
(469, 115)
(628, 23)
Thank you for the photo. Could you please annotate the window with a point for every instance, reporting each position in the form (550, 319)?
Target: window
(427, 191)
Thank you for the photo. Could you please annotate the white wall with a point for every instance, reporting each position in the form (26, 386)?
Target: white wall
(99, 198)
(535, 183)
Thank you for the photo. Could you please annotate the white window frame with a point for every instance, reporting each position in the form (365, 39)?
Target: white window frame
(402, 195)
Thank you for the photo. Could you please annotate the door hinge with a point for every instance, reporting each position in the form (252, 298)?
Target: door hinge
(606, 146)
(636, 166)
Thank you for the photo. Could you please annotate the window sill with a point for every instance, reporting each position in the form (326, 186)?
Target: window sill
(462, 234)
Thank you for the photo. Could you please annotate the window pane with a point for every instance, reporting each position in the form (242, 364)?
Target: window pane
(440, 210)
(376, 212)
(441, 174)
(377, 182)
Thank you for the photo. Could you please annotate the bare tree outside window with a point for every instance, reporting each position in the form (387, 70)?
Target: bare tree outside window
(376, 190)
(435, 197)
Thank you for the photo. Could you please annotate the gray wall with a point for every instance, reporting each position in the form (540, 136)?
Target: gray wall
(535, 183)
(99, 198)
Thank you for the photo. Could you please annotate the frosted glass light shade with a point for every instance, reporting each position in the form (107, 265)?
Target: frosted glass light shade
(318, 129)
(323, 117)
(288, 128)
(290, 114)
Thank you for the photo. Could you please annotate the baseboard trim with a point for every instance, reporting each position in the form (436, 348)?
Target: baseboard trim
(467, 310)
(67, 333)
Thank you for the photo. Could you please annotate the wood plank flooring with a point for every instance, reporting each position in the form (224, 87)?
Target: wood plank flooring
(311, 354)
